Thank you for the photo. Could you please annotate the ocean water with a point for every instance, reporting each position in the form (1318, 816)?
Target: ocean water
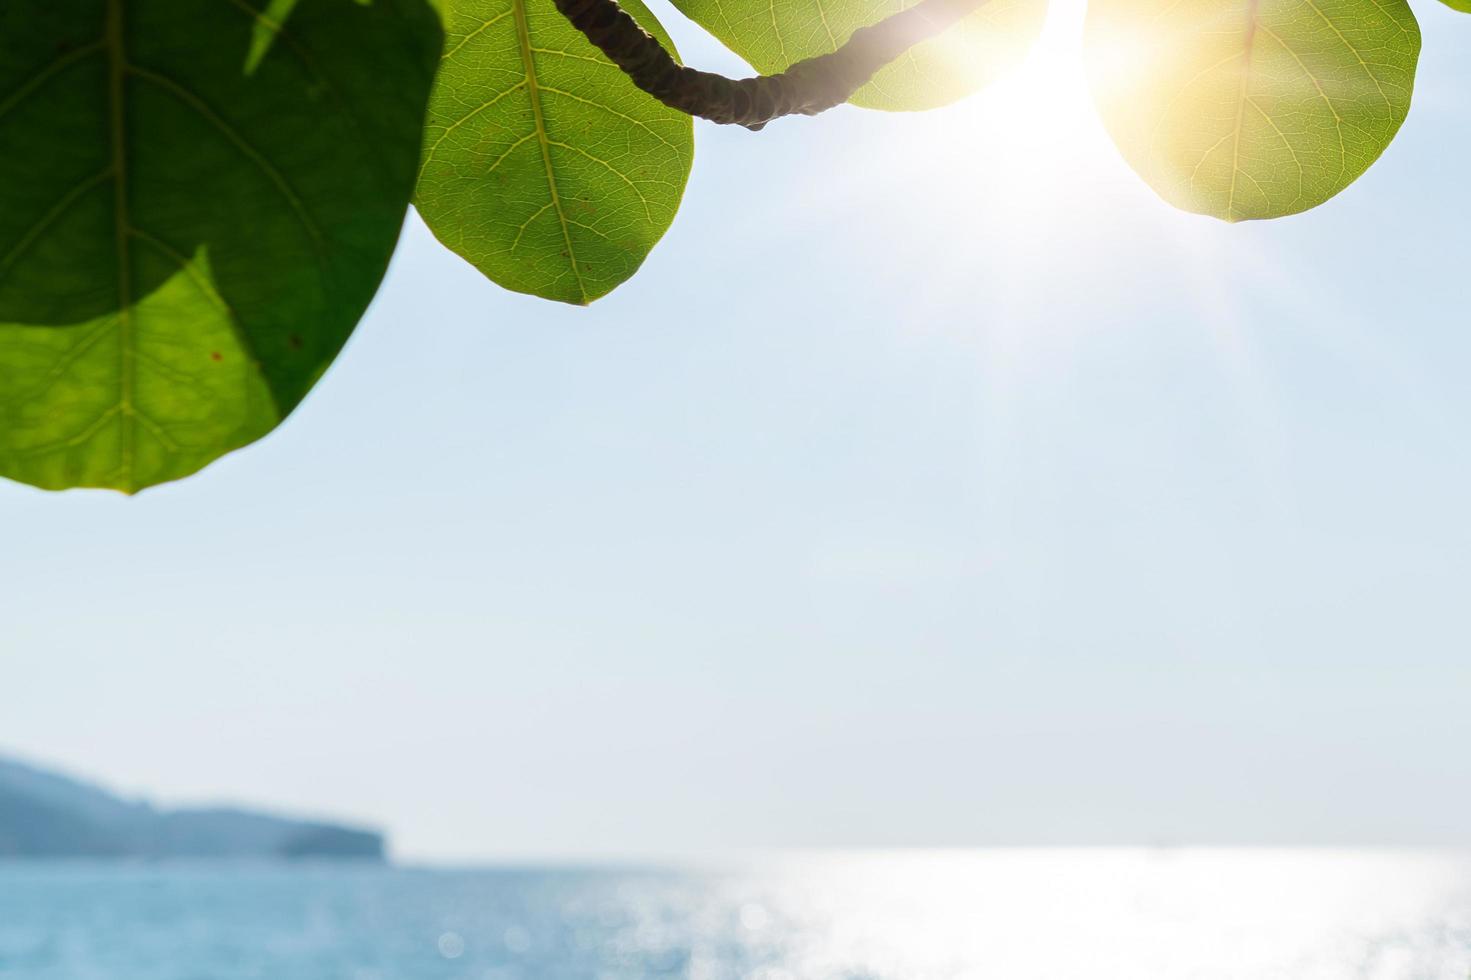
(1004, 914)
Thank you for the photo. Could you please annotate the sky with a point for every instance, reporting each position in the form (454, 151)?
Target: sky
(933, 484)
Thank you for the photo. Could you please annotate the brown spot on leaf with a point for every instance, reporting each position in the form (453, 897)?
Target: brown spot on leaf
(215, 355)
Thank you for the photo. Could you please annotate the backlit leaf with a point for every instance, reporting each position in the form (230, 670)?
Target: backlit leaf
(198, 199)
(543, 165)
(1252, 108)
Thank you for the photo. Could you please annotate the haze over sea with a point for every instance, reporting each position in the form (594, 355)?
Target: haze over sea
(1013, 914)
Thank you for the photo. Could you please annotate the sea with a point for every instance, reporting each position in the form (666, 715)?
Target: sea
(1009, 914)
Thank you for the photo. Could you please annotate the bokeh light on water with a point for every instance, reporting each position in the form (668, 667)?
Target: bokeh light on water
(1013, 914)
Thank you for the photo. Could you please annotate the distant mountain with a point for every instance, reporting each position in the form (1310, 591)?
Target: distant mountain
(43, 814)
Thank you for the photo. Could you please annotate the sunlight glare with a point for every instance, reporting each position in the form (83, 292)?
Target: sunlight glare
(1020, 180)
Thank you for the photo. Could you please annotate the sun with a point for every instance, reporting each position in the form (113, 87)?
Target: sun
(1024, 153)
(1036, 126)
(1022, 176)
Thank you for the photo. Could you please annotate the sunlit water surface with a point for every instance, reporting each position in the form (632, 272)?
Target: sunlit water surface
(1012, 914)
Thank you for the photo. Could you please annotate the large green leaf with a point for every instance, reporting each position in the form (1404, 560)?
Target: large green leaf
(198, 199)
(774, 34)
(1252, 108)
(543, 165)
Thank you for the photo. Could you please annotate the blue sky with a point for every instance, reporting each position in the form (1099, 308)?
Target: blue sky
(933, 484)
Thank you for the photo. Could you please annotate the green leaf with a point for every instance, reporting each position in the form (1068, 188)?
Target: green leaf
(1252, 108)
(774, 34)
(543, 165)
(198, 199)
(1462, 5)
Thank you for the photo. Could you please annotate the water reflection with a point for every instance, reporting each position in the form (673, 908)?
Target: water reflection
(1096, 914)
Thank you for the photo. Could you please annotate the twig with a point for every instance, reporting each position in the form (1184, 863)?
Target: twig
(806, 88)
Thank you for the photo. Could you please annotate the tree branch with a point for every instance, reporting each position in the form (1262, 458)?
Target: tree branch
(806, 88)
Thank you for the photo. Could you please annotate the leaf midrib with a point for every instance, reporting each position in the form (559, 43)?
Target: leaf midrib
(1253, 12)
(528, 60)
(117, 80)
